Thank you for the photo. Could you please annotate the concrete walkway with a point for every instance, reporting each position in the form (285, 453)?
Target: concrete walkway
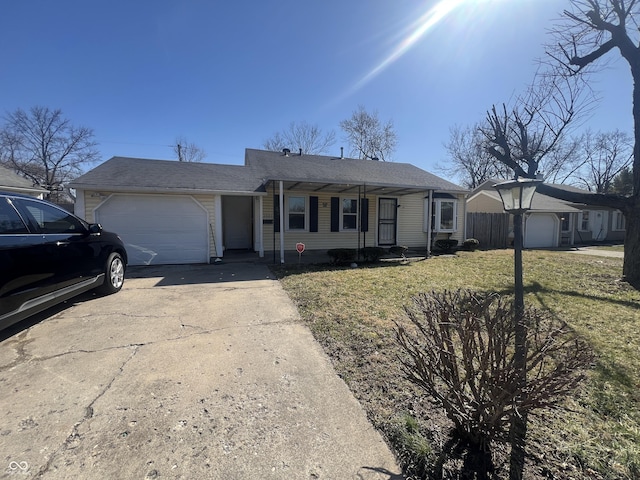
(190, 372)
(597, 252)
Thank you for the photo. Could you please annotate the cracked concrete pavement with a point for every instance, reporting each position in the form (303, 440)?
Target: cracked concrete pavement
(189, 372)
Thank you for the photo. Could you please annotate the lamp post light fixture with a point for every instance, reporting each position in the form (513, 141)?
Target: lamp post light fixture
(517, 196)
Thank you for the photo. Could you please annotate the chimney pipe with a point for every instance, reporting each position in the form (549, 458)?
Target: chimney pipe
(300, 152)
(341, 152)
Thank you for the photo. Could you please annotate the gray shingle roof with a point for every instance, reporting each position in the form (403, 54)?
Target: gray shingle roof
(323, 169)
(11, 180)
(135, 174)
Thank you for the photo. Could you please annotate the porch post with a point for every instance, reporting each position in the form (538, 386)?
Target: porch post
(217, 238)
(429, 214)
(281, 200)
(260, 227)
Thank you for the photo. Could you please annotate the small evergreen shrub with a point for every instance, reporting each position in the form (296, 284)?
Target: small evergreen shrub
(342, 256)
(470, 244)
(446, 245)
(372, 254)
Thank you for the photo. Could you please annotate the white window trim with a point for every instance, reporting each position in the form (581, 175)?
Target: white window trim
(342, 199)
(438, 215)
(306, 213)
(614, 223)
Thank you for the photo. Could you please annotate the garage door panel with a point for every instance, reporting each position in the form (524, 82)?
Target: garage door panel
(541, 230)
(158, 229)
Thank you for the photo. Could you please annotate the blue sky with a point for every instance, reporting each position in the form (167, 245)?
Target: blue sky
(227, 75)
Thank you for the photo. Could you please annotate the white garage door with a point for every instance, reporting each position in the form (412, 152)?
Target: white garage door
(541, 230)
(159, 229)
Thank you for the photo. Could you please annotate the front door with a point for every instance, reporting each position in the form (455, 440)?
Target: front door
(387, 220)
(237, 222)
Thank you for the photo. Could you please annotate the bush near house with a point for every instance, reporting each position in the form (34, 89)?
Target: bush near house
(372, 254)
(446, 245)
(470, 244)
(342, 256)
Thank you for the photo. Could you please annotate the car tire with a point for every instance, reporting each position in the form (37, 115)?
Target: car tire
(113, 275)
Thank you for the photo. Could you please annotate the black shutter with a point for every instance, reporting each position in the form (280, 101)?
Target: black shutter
(364, 214)
(335, 214)
(276, 213)
(313, 214)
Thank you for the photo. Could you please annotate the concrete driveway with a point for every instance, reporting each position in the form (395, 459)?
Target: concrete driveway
(190, 372)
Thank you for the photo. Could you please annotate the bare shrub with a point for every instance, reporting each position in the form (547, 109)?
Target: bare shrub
(458, 347)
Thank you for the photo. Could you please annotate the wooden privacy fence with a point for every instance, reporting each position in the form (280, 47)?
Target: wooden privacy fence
(490, 229)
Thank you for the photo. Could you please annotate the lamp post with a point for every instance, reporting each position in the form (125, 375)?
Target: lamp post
(517, 196)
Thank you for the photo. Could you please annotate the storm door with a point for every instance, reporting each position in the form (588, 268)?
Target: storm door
(387, 220)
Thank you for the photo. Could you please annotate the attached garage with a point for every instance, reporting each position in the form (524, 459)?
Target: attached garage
(158, 229)
(541, 230)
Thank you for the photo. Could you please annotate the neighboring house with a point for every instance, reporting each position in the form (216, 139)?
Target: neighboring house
(552, 222)
(181, 212)
(12, 182)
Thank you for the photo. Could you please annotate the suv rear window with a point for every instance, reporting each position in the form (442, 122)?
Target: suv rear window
(10, 221)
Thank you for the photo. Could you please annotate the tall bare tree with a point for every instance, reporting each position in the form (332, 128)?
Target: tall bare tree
(45, 147)
(186, 151)
(589, 32)
(302, 136)
(605, 155)
(468, 160)
(368, 137)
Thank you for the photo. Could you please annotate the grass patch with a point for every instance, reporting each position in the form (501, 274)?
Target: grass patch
(596, 435)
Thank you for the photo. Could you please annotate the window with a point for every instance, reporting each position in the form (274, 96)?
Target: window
(10, 221)
(619, 222)
(444, 215)
(50, 219)
(349, 214)
(296, 213)
(584, 221)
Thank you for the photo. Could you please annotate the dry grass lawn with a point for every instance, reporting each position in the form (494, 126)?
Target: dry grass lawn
(596, 433)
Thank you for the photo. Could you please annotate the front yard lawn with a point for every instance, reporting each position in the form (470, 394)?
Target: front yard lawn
(596, 435)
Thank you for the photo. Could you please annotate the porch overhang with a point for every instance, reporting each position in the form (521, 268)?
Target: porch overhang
(347, 188)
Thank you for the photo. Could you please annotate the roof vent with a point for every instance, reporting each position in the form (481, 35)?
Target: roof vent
(286, 152)
(375, 159)
(300, 152)
(341, 152)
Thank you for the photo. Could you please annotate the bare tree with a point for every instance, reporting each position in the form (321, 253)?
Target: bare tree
(605, 155)
(368, 137)
(469, 160)
(588, 32)
(45, 147)
(186, 151)
(301, 136)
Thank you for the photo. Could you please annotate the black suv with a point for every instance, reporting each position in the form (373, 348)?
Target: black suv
(48, 255)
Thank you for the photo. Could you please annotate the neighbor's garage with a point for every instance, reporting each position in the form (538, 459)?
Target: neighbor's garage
(158, 229)
(541, 230)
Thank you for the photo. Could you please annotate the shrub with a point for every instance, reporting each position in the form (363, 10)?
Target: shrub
(446, 245)
(459, 347)
(399, 250)
(342, 256)
(372, 254)
(470, 244)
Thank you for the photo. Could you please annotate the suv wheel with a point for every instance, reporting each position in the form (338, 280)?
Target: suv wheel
(114, 275)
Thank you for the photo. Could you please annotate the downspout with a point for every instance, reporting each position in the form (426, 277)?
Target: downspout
(429, 214)
(281, 200)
